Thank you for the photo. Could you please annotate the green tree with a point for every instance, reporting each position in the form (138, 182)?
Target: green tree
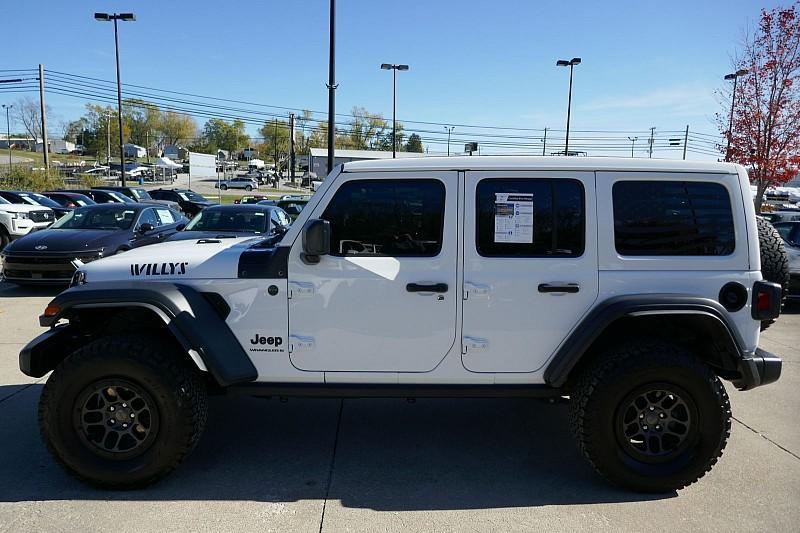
(219, 134)
(142, 120)
(276, 139)
(414, 144)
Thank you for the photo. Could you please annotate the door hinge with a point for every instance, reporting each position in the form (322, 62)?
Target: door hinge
(299, 343)
(474, 344)
(300, 289)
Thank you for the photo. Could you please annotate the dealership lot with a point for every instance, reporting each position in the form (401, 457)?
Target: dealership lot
(390, 465)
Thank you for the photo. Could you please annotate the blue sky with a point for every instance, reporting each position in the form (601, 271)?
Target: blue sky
(644, 63)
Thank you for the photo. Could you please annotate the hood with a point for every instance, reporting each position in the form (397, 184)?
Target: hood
(213, 259)
(22, 208)
(67, 240)
(189, 235)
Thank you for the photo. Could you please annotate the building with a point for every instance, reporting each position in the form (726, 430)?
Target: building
(134, 151)
(318, 158)
(56, 146)
(175, 152)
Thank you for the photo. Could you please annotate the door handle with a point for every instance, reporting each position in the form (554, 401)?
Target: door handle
(422, 287)
(559, 287)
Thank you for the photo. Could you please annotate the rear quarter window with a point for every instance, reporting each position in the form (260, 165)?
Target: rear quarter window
(672, 218)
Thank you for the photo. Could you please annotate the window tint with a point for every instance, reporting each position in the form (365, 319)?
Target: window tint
(785, 230)
(672, 218)
(398, 218)
(530, 218)
(148, 216)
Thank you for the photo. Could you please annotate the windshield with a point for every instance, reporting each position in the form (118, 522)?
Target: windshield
(109, 218)
(39, 199)
(121, 197)
(141, 194)
(192, 196)
(229, 220)
(4, 201)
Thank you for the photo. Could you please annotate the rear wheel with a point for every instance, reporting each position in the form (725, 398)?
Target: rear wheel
(121, 412)
(774, 261)
(223, 187)
(248, 188)
(650, 416)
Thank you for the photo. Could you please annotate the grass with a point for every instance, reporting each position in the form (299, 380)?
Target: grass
(272, 194)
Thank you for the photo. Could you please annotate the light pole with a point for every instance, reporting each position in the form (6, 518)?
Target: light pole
(571, 63)
(633, 142)
(394, 69)
(126, 17)
(735, 77)
(8, 132)
(449, 131)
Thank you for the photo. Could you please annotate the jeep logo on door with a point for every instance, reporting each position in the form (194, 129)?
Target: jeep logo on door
(270, 344)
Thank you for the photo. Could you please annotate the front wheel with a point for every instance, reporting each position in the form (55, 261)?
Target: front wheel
(122, 413)
(223, 187)
(650, 416)
(248, 188)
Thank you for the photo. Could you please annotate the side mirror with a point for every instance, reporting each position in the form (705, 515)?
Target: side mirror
(180, 227)
(145, 228)
(316, 240)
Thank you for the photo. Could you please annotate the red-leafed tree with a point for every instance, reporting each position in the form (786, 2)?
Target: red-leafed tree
(765, 136)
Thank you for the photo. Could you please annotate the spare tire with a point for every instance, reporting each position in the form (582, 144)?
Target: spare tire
(774, 261)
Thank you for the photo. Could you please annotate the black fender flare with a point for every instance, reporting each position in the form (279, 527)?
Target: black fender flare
(189, 316)
(606, 313)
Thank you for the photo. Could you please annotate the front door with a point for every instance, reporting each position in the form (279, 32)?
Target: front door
(530, 266)
(385, 298)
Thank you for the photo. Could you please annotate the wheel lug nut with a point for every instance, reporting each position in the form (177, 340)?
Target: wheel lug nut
(132, 415)
(126, 405)
(124, 425)
(641, 415)
(651, 407)
(111, 408)
(111, 421)
(644, 427)
(662, 415)
(658, 428)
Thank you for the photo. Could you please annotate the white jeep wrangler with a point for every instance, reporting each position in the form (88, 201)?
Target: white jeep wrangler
(630, 286)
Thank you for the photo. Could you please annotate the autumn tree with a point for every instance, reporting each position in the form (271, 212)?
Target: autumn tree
(765, 136)
(28, 112)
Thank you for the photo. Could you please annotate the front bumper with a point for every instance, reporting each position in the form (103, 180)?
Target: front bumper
(762, 368)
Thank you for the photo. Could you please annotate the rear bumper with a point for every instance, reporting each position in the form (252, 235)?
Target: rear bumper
(762, 368)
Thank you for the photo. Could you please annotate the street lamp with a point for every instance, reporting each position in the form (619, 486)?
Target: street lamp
(571, 63)
(633, 142)
(394, 69)
(449, 131)
(126, 17)
(8, 133)
(735, 77)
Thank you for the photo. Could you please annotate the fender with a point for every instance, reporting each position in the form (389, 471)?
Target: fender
(602, 316)
(193, 319)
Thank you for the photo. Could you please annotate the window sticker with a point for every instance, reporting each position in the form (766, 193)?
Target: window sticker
(166, 216)
(513, 217)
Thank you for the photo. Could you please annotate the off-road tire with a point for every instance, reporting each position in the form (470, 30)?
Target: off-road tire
(603, 389)
(173, 386)
(774, 261)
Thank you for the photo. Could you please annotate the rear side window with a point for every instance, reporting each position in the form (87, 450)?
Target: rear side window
(397, 218)
(678, 218)
(530, 218)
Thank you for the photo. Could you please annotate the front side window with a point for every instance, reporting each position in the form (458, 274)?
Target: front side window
(148, 216)
(530, 218)
(678, 218)
(396, 218)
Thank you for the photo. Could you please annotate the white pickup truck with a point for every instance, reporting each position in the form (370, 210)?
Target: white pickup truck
(631, 286)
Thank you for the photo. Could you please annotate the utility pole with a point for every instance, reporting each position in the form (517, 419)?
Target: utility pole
(8, 133)
(449, 131)
(43, 107)
(544, 142)
(633, 142)
(652, 139)
(108, 144)
(685, 141)
(275, 145)
(332, 87)
(291, 146)
(147, 146)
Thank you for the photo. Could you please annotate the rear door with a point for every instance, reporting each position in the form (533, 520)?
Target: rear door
(385, 298)
(530, 266)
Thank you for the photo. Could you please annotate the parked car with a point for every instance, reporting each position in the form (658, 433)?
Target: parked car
(18, 220)
(69, 199)
(782, 216)
(790, 233)
(251, 199)
(235, 221)
(190, 202)
(242, 182)
(34, 198)
(291, 207)
(86, 234)
(102, 197)
(138, 194)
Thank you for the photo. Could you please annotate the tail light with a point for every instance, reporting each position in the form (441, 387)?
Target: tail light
(766, 300)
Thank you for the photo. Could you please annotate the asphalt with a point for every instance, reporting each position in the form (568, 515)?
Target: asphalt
(390, 465)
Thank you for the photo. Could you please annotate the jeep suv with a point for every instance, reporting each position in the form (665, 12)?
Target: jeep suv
(17, 220)
(633, 287)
